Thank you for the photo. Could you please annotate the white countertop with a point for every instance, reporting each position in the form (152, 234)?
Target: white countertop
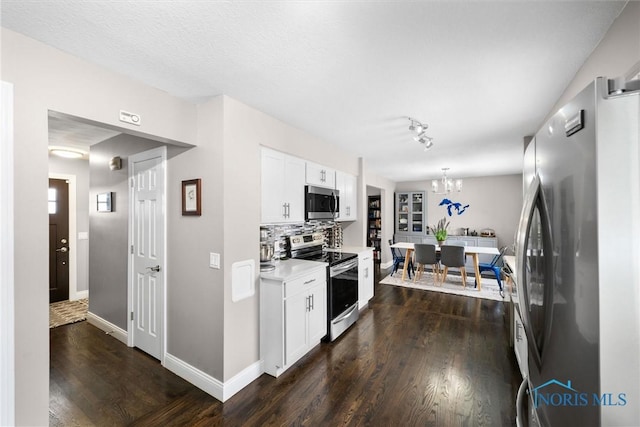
(292, 268)
(350, 249)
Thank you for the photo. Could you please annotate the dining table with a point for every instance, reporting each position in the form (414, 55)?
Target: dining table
(472, 251)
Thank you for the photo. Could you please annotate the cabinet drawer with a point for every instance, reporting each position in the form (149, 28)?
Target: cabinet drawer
(303, 283)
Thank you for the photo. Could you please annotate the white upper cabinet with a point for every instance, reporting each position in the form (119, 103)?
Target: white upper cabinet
(347, 186)
(320, 176)
(283, 179)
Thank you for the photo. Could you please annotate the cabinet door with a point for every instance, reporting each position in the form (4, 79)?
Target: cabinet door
(417, 219)
(296, 341)
(402, 212)
(273, 176)
(294, 188)
(320, 176)
(365, 278)
(317, 315)
(347, 185)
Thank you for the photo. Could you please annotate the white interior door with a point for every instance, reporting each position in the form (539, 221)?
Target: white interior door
(147, 225)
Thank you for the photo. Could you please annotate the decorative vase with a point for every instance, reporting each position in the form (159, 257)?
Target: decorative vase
(440, 242)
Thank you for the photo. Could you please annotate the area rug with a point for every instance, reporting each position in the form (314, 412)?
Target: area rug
(65, 312)
(453, 285)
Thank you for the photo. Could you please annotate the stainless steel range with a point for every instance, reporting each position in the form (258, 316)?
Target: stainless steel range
(342, 280)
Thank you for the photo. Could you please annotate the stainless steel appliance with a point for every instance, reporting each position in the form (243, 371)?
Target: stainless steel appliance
(578, 269)
(266, 249)
(320, 203)
(342, 280)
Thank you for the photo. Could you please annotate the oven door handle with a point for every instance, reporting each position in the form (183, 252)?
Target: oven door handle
(341, 268)
(345, 314)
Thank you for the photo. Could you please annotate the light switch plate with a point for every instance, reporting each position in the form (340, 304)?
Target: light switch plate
(214, 260)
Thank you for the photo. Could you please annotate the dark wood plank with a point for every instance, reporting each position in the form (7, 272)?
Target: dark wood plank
(413, 358)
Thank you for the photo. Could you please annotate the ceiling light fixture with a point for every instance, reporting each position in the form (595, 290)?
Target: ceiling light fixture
(420, 129)
(67, 152)
(448, 185)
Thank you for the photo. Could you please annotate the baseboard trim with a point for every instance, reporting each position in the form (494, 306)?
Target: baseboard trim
(108, 327)
(386, 264)
(243, 379)
(207, 383)
(80, 295)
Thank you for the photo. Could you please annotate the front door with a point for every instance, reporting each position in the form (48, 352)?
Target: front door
(58, 240)
(147, 250)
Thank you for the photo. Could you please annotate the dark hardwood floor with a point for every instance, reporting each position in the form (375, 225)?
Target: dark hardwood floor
(414, 358)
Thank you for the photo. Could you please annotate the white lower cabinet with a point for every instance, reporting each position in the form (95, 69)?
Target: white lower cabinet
(293, 318)
(365, 278)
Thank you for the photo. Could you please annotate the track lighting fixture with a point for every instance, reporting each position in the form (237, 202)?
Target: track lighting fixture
(420, 129)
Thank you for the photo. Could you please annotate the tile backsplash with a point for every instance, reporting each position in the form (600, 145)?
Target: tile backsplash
(279, 233)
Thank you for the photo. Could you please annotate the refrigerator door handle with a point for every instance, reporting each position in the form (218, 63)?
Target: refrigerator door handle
(521, 417)
(521, 246)
(535, 190)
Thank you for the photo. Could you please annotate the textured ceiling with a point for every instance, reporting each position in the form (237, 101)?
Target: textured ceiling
(75, 134)
(482, 74)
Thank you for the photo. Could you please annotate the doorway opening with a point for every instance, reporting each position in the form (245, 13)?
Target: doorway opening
(98, 243)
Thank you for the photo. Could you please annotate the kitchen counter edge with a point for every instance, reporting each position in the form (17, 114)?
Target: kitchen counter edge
(350, 249)
(291, 269)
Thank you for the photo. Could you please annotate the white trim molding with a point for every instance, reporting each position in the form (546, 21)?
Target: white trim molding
(108, 327)
(207, 383)
(7, 320)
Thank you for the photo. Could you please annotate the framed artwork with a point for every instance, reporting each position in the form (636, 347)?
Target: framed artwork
(191, 197)
(104, 202)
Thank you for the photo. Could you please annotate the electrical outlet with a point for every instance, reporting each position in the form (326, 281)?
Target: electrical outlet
(214, 260)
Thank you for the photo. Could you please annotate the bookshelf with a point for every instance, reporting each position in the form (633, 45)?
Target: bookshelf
(374, 227)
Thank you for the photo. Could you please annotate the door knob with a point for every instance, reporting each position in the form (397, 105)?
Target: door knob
(154, 269)
(62, 249)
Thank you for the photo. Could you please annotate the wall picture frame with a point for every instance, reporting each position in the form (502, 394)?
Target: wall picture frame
(191, 197)
(104, 202)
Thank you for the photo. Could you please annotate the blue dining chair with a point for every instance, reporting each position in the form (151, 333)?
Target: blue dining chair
(398, 258)
(495, 265)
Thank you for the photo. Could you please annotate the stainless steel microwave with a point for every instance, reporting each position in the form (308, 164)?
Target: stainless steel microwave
(320, 203)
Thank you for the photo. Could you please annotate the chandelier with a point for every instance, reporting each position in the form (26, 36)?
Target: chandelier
(420, 129)
(448, 185)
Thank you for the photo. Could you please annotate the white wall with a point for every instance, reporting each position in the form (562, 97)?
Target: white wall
(494, 202)
(616, 54)
(387, 200)
(47, 79)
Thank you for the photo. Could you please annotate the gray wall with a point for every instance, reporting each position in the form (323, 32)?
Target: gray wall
(79, 168)
(195, 292)
(494, 202)
(108, 231)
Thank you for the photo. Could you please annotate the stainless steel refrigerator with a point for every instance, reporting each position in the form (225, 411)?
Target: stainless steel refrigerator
(578, 262)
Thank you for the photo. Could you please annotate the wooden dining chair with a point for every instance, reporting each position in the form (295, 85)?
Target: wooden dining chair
(453, 256)
(425, 254)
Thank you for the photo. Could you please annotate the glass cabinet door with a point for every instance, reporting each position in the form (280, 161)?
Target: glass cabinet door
(403, 212)
(410, 213)
(417, 214)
